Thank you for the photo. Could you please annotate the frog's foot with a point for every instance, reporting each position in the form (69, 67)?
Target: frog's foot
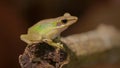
(47, 40)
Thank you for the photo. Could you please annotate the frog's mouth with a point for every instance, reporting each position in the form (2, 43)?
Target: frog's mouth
(71, 20)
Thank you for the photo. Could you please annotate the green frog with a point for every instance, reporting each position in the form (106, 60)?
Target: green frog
(48, 29)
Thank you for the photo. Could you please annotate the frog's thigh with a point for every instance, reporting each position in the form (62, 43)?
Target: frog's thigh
(35, 38)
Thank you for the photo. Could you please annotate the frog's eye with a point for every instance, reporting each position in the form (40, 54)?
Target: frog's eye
(64, 21)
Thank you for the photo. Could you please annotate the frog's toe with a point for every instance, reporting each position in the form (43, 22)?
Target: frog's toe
(47, 40)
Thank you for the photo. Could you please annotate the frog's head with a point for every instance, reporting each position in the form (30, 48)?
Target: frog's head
(58, 24)
(65, 21)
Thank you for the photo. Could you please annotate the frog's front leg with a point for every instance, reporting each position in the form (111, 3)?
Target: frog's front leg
(50, 42)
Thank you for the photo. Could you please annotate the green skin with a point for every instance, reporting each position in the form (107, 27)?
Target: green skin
(48, 29)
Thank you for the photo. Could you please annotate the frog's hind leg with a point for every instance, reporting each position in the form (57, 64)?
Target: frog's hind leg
(25, 38)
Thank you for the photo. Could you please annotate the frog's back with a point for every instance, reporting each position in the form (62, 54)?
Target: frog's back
(42, 29)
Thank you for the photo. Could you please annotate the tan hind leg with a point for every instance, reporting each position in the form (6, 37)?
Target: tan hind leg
(29, 39)
(25, 39)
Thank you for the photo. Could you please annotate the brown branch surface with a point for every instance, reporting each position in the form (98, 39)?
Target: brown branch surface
(99, 45)
(103, 38)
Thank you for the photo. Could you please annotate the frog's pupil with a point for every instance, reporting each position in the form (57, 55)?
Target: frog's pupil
(64, 21)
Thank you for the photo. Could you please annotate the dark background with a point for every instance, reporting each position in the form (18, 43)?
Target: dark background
(17, 15)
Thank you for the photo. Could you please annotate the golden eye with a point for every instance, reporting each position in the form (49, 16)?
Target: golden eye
(64, 21)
